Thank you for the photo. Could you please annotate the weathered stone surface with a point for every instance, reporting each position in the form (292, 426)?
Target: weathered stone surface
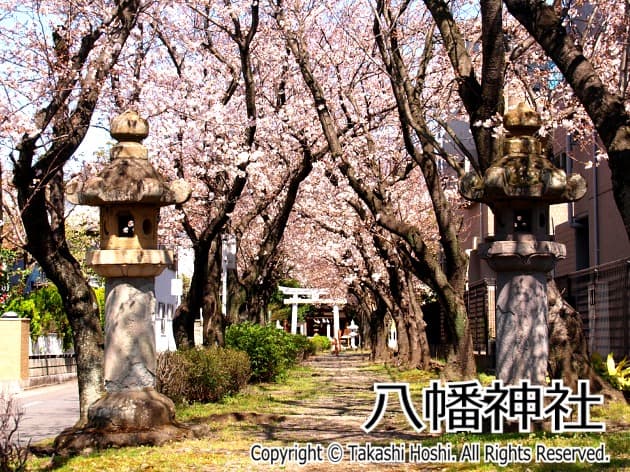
(129, 177)
(129, 337)
(129, 126)
(523, 172)
(126, 180)
(522, 256)
(522, 119)
(131, 410)
(129, 262)
(528, 177)
(522, 338)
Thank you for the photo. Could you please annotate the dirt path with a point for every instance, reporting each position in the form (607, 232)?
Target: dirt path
(345, 400)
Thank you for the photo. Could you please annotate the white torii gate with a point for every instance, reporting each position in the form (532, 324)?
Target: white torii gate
(311, 296)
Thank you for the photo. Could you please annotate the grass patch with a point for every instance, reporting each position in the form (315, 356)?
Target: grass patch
(615, 413)
(193, 455)
(274, 398)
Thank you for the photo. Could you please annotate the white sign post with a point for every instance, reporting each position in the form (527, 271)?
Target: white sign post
(228, 262)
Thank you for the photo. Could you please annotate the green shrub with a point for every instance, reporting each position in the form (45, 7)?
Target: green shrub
(303, 347)
(202, 374)
(321, 343)
(271, 351)
(44, 308)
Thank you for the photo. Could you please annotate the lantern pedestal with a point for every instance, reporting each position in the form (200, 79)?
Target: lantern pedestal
(132, 411)
(131, 402)
(130, 360)
(522, 337)
(129, 418)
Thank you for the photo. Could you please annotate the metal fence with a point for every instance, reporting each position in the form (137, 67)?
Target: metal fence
(51, 368)
(480, 302)
(602, 297)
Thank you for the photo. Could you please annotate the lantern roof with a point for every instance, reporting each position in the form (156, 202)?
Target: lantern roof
(129, 177)
(522, 172)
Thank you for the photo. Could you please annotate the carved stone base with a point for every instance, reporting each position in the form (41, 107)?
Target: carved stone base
(522, 342)
(130, 418)
(522, 337)
(132, 409)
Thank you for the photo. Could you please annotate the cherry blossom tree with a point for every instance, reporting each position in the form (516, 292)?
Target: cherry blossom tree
(223, 185)
(246, 171)
(226, 118)
(364, 261)
(56, 57)
(414, 143)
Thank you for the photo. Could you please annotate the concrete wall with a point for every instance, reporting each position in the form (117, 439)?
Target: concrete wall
(14, 334)
(51, 369)
(605, 235)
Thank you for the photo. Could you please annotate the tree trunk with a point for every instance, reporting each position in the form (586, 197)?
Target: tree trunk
(83, 313)
(379, 350)
(460, 356)
(51, 251)
(80, 305)
(420, 357)
(188, 311)
(569, 358)
(405, 347)
(413, 346)
(214, 323)
(39, 170)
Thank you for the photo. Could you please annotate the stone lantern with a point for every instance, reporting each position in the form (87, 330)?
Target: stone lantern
(129, 193)
(519, 186)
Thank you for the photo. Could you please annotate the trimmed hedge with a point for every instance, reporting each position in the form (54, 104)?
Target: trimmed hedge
(201, 374)
(321, 343)
(271, 351)
(303, 346)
